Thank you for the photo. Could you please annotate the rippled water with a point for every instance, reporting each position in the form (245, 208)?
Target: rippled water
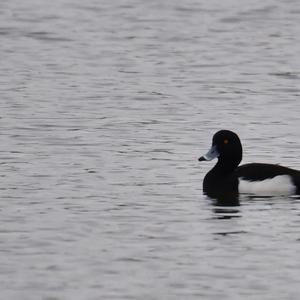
(105, 108)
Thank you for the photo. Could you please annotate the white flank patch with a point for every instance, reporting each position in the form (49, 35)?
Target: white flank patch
(279, 185)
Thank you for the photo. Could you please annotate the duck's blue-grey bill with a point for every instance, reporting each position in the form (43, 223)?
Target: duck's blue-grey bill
(211, 154)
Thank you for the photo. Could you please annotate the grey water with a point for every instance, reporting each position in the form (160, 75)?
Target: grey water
(105, 107)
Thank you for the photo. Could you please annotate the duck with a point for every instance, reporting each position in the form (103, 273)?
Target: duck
(227, 179)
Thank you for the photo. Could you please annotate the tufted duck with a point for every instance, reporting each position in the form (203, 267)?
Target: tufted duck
(230, 179)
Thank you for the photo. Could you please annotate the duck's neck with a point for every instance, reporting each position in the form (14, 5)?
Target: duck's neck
(225, 168)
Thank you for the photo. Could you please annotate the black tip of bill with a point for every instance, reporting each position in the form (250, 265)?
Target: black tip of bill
(202, 158)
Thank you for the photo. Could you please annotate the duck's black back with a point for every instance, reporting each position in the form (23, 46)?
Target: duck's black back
(259, 172)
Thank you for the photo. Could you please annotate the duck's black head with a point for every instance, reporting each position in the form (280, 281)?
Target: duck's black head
(227, 147)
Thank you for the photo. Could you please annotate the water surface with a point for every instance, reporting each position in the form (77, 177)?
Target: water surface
(105, 108)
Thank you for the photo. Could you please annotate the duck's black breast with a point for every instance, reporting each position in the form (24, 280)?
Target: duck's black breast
(216, 183)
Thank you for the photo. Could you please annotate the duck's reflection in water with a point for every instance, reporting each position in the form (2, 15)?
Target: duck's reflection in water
(224, 199)
(225, 206)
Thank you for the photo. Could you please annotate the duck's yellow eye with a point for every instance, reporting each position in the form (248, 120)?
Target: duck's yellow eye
(226, 141)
